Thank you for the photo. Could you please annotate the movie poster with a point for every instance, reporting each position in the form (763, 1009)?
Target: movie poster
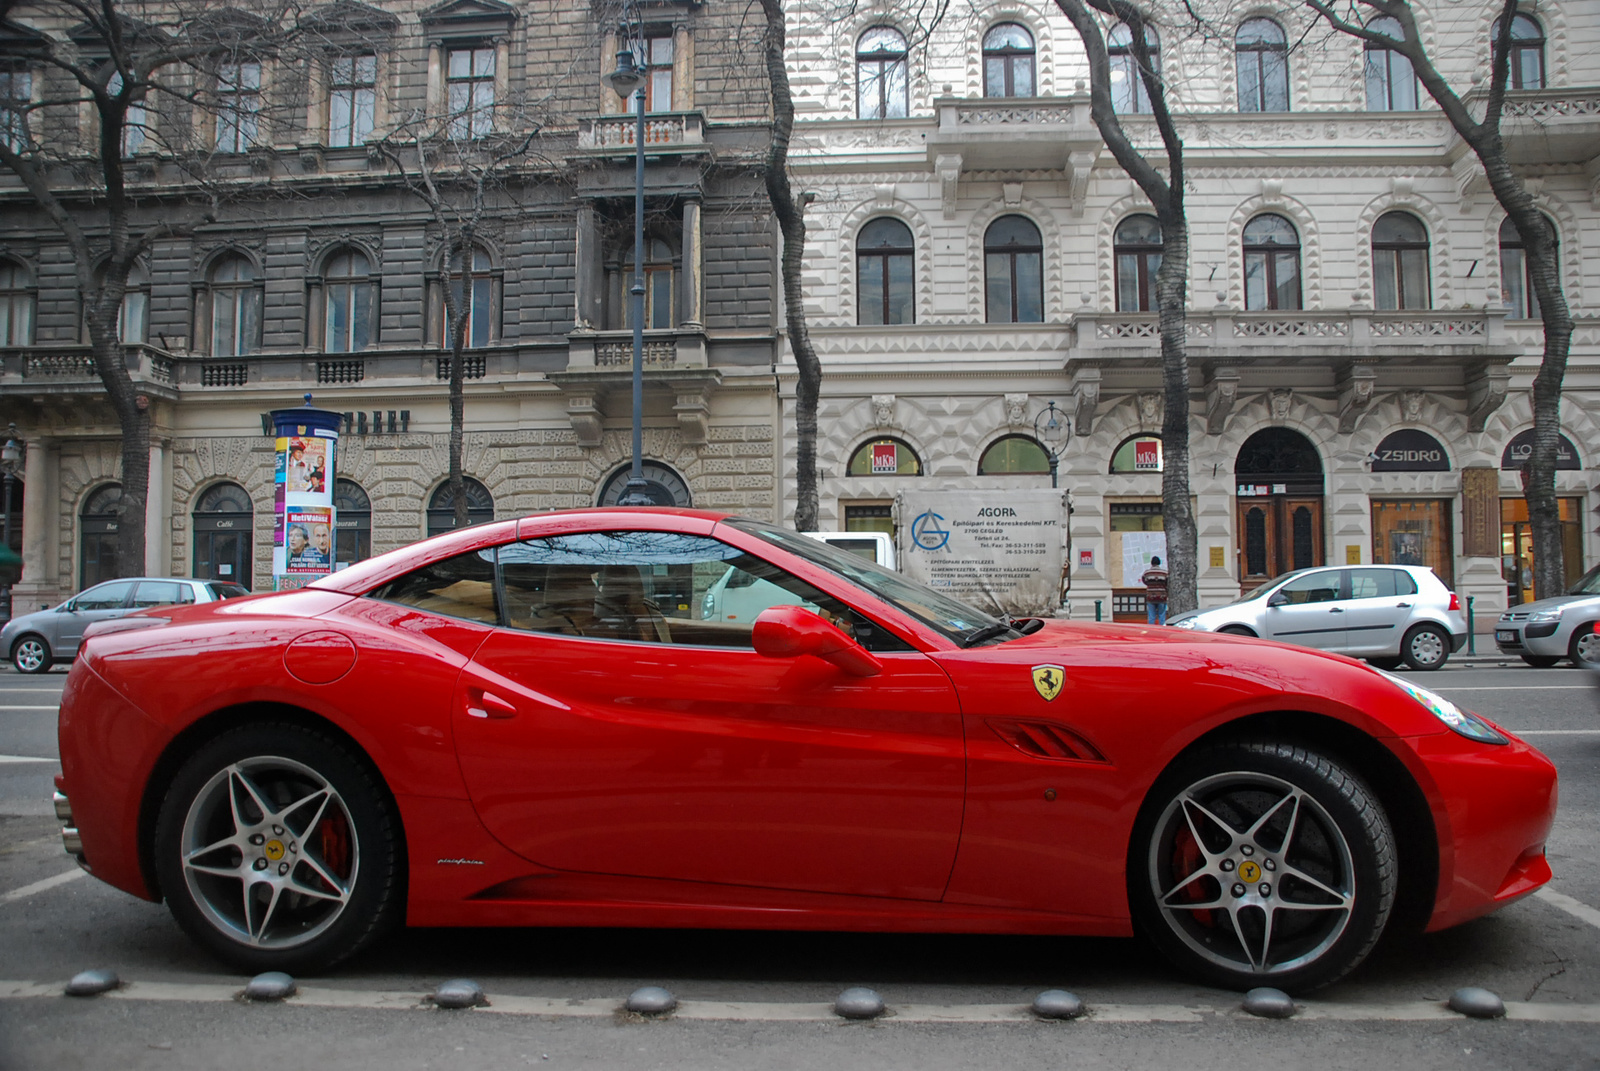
(303, 532)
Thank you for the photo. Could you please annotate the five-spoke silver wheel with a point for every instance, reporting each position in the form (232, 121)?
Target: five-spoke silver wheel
(1262, 864)
(269, 852)
(31, 655)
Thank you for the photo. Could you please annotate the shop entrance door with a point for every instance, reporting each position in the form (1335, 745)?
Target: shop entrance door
(1279, 476)
(1516, 546)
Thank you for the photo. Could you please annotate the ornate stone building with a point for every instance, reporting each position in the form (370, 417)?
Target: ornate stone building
(1360, 334)
(321, 274)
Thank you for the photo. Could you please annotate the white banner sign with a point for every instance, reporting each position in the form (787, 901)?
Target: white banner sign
(1137, 550)
(1001, 551)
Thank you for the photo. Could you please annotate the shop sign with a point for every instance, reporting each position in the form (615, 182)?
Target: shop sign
(1520, 449)
(1257, 490)
(1085, 559)
(998, 550)
(1410, 450)
(885, 459)
(1147, 455)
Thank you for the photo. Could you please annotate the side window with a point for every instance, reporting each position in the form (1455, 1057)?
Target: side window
(462, 587)
(105, 596)
(161, 593)
(657, 587)
(1313, 587)
(1380, 583)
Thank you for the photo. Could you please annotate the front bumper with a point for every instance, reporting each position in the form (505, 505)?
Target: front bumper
(1547, 639)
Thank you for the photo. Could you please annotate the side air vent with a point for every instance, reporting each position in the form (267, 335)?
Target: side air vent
(1045, 740)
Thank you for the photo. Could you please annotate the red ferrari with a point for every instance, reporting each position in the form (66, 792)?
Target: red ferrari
(678, 718)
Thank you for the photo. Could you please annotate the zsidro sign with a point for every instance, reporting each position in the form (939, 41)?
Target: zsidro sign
(1409, 450)
(998, 550)
(1520, 449)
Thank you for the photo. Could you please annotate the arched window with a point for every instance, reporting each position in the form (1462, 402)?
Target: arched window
(350, 297)
(660, 283)
(352, 523)
(1139, 453)
(1014, 455)
(1128, 93)
(1516, 284)
(1527, 52)
(1008, 61)
(442, 506)
(882, 84)
(884, 457)
(884, 273)
(477, 294)
(1013, 264)
(1137, 246)
(1400, 276)
(662, 485)
(1271, 264)
(234, 318)
(1261, 53)
(97, 535)
(17, 298)
(1391, 83)
(224, 518)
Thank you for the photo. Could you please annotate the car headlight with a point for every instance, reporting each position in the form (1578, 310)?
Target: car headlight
(1545, 615)
(1460, 721)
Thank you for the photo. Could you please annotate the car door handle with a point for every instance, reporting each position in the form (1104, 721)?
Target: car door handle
(482, 704)
(1402, 606)
(1336, 609)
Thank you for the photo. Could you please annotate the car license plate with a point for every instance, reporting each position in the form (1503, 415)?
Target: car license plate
(1505, 635)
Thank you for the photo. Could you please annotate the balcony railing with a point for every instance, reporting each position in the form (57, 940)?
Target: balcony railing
(662, 130)
(1268, 333)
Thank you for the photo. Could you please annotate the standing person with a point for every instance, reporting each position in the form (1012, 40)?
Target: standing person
(1155, 592)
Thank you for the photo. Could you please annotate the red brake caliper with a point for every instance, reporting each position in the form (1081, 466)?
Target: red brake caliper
(1186, 859)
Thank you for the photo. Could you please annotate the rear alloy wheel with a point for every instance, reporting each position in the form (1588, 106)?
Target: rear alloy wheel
(1262, 864)
(1585, 648)
(31, 654)
(277, 849)
(1425, 647)
(1540, 661)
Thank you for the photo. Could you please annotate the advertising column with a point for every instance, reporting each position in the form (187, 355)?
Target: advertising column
(302, 533)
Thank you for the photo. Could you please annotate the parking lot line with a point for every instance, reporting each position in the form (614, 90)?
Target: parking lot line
(23, 758)
(9, 706)
(1556, 732)
(1576, 908)
(1514, 688)
(41, 886)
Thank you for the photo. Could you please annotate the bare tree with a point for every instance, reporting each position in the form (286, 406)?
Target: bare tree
(1172, 278)
(1485, 138)
(150, 74)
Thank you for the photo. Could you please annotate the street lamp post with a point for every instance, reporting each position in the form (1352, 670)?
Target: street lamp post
(1051, 428)
(10, 458)
(628, 81)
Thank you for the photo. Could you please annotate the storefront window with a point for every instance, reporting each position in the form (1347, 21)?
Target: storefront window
(1142, 453)
(1137, 531)
(885, 457)
(1414, 532)
(1516, 546)
(870, 517)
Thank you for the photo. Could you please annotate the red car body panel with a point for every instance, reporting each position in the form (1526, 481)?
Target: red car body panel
(553, 780)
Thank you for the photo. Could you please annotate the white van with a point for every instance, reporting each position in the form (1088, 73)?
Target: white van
(873, 546)
(738, 596)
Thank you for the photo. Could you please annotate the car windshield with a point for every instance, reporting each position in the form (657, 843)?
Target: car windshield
(1588, 583)
(1263, 590)
(228, 591)
(955, 619)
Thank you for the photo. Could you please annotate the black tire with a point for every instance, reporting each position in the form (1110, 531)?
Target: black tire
(1384, 663)
(1584, 650)
(1340, 838)
(31, 654)
(1235, 630)
(1539, 661)
(346, 854)
(1426, 647)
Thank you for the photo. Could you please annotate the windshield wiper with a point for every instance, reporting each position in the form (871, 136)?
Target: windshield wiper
(988, 632)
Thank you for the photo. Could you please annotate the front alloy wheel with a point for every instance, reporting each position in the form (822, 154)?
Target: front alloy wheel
(275, 848)
(1263, 864)
(1585, 648)
(31, 655)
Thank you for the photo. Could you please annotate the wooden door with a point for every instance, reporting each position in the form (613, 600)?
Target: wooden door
(1278, 534)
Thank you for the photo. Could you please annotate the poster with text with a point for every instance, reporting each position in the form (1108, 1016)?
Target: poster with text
(1000, 551)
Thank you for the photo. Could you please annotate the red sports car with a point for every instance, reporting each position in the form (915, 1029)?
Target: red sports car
(571, 720)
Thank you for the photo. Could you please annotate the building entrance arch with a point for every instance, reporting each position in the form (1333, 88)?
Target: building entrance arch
(1279, 485)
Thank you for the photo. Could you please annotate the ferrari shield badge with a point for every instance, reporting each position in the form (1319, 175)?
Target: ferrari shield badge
(1048, 680)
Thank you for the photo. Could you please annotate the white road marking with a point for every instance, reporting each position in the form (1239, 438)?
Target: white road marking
(42, 886)
(753, 1011)
(23, 758)
(7, 706)
(1576, 908)
(1556, 732)
(1513, 688)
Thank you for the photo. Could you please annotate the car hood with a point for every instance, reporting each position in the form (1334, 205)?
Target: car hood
(1553, 602)
(27, 621)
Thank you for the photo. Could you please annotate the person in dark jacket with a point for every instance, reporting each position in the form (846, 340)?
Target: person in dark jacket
(1155, 592)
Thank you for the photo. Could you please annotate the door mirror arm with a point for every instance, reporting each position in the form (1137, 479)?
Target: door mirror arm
(791, 631)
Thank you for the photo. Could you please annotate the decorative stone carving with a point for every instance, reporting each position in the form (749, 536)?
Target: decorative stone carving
(1085, 399)
(883, 410)
(1222, 392)
(1012, 191)
(884, 195)
(1486, 390)
(1280, 403)
(1411, 405)
(948, 168)
(584, 416)
(1016, 410)
(1355, 395)
(1151, 408)
(1079, 166)
(693, 409)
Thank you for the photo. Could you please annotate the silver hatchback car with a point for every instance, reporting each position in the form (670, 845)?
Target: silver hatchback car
(1544, 632)
(1383, 613)
(35, 641)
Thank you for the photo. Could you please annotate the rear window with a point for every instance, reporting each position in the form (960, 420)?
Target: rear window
(162, 593)
(227, 591)
(1380, 583)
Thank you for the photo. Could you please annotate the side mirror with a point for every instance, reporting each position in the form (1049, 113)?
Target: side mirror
(67, 607)
(791, 631)
(1278, 598)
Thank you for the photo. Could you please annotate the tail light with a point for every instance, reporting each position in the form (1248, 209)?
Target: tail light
(1455, 601)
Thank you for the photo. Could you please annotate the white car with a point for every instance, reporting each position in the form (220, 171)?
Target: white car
(1383, 613)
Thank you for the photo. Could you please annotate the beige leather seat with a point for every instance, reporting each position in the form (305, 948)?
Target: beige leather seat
(569, 601)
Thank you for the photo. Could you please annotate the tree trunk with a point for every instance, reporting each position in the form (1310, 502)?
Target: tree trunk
(133, 416)
(1177, 515)
(791, 224)
(458, 344)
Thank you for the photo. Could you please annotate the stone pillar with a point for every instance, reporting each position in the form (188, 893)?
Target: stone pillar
(589, 291)
(40, 544)
(691, 307)
(157, 514)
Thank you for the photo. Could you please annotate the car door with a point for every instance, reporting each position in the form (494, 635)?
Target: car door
(1379, 608)
(1308, 611)
(597, 733)
(99, 603)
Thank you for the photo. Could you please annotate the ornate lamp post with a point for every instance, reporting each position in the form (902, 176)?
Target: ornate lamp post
(628, 80)
(1051, 427)
(10, 458)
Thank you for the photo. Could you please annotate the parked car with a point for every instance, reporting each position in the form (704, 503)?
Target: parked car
(1383, 613)
(34, 642)
(507, 726)
(1545, 631)
(873, 546)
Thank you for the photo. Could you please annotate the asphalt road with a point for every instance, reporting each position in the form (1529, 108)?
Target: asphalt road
(753, 1000)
